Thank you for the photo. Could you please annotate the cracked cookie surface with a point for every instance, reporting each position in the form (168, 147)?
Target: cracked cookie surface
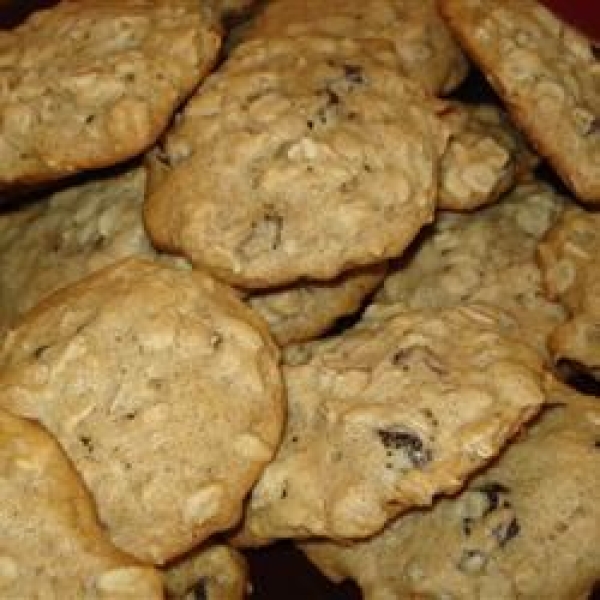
(535, 508)
(163, 389)
(89, 84)
(425, 49)
(387, 415)
(300, 158)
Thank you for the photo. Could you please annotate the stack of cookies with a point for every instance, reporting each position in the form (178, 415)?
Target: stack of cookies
(286, 281)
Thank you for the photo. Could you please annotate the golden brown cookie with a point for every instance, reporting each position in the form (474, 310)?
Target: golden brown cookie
(389, 414)
(425, 49)
(68, 234)
(307, 309)
(164, 391)
(307, 158)
(526, 528)
(485, 157)
(548, 76)
(91, 83)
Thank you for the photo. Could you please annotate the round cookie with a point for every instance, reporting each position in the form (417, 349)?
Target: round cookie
(319, 160)
(485, 157)
(89, 84)
(164, 391)
(569, 259)
(68, 234)
(308, 309)
(486, 256)
(52, 545)
(546, 72)
(211, 572)
(387, 415)
(425, 49)
(526, 528)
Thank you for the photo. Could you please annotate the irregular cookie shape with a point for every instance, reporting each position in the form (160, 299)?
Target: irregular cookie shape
(51, 544)
(486, 256)
(89, 84)
(306, 310)
(425, 49)
(548, 76)
(212, 572)
(387, 415)
(314, 162)
(164, 391)
(485, 157)
(569, 259)
(527, 528)
(67, 235)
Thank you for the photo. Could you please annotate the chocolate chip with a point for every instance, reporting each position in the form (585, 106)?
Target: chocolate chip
(506, 531)
(597, 444)
(595, 51)
(409, 443)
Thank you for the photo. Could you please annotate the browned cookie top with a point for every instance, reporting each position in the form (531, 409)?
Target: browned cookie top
(306, 159)
(91, 83)
(163, 389)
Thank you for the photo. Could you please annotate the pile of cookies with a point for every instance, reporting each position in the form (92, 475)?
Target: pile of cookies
(279, 281)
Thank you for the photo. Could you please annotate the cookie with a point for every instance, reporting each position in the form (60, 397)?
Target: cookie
(486, 256)
(547, 74)
(387, 415)
(485, 157)
(317, 161)
(425, 49)
(68, 234)
(306, 310)
(212, 572)
(52, 545)
(89, 84)
(163, 389)
(526, 528)
(569, 260)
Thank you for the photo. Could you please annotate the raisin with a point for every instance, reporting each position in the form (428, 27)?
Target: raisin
(199, 591)
(332, 98)
(506, 531)
(38, 352)
(594, 126)
(86, 440)
(407, 442)
(354, 74)
(492, 491)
